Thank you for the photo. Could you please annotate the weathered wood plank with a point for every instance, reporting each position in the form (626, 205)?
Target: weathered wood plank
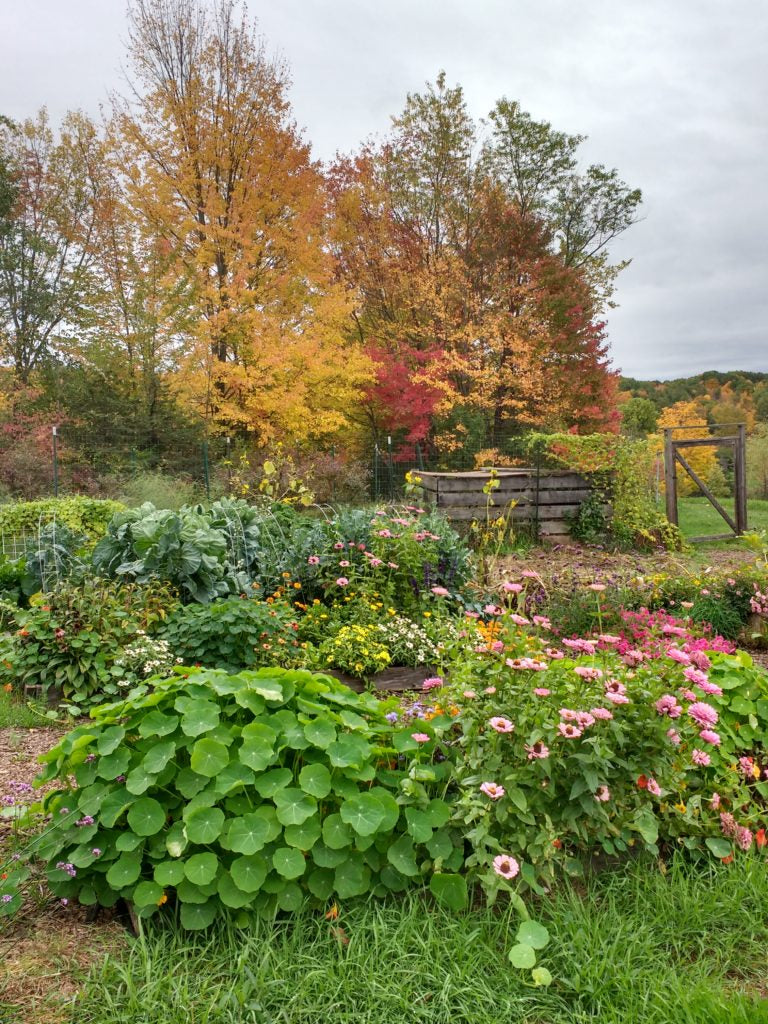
(547, 496)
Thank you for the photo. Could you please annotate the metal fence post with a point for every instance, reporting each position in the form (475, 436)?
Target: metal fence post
(55, 462)
(206, 471)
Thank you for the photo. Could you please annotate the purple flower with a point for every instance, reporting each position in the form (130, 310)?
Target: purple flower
(391, 717)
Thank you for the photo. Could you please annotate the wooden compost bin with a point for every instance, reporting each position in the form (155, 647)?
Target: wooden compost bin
(549, 498)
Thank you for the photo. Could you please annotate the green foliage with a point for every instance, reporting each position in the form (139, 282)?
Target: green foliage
(53, 557)
(181, 548)
(72, 643)
(86, 516)
(11, 576)
(224, 792)
(623, 473)
(159, 489)
(234, 633)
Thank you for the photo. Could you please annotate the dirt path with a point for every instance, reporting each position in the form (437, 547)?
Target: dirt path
(47, 949)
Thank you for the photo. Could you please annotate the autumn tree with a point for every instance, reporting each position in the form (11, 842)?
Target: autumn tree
(50, 194)
(218, 172)
(490, 254)
(702, 460)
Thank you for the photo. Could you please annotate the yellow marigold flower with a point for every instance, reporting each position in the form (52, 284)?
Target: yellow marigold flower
(681, 807)
(163, 899)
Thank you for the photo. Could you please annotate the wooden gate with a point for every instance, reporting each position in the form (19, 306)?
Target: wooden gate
(673, 457)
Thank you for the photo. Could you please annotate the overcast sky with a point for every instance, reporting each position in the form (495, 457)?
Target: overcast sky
(671, 92)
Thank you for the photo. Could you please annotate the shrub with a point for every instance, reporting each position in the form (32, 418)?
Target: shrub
(159, 489)
(86, 516)
(72, 643)
(219, 792)
(563, 756)
(234, 634)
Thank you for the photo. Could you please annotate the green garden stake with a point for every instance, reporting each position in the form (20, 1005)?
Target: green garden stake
(206, 471)
(55, 462)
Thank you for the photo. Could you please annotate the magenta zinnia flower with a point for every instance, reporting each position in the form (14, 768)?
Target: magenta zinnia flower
(432, 683)
(703, 714)
(342, 581)
(537, 751)
(603, 795)
(586, 672)
(667, 705)
(700, 757)
(420, 737)
(602, 713)
(505, 866)
(653, 787)
(570, 732)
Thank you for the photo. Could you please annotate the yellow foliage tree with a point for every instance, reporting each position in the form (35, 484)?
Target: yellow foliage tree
(217, 170)
(702, 460)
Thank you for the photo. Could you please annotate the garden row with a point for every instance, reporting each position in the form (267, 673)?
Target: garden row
(245, 779)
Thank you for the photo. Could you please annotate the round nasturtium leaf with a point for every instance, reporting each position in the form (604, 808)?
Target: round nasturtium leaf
(169, 872)
(303, 836)
(293, 806)
(139, 780)
(125, 870)
(157, 724)
(352, 878)
(146, 816)
(176, 839)
(110, 739)
(199, 716)
(389, 807)
(349, 750)
(288, 862)
(208, 757)
(541, 977)
(401, 855)
(320, 732)
(363, 813)
(249, 833)
(320, 883)
(201, 868)
(290, 898)
(450, 890)
(231, 895)
(147, 894)
(269, 783)
(204, 825)
(248, 873)
(315, 779)
(336, 835)
(195, 916)
(419, 825)
(128, 841)
(531, 933)
(158, 757)
(522, 955)
(114, 764)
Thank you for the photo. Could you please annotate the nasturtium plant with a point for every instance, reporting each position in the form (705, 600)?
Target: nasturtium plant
(252, 791)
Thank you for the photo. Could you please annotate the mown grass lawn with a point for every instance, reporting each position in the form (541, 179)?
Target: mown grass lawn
(699, 518)
(631, 946)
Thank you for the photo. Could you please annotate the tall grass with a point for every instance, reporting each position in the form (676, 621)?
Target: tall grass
(628, 947)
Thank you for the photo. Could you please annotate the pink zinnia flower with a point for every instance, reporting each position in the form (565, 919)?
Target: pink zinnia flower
(674, 736)
(342, 581)
(490, 690)
(667, 705)
(554, 654)
(492, 609)
(602, 713)
(505, 866)
(711, 688)
(703, 714)
(537, 750)
(519, 620)
(700, 757)
(432, 683)
(375, 563)
(343, 564)
(677, 655)
(709, 736)
(614, 686)
(571, 732)
(617, 698)
(597, 587)
(500, 724)
(747, 766)
(688, 695)
(469, 694)
(700, 660)
(491, 789)
(633, 658)
(542, 621)
(338, 545)
(512, 588)
(609, 638)
(603, 795)
(653, 787)
(695, 675)
(542, 691)
(584, 719)
(578, 644)
(587, 672)
(714, 803)
(385, 533)
(420, 737)
(440, 591)
(313, 560)
(529, 574)
(568, 715)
